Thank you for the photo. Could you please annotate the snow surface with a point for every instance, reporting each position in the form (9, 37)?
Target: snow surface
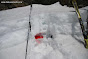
(67, 41)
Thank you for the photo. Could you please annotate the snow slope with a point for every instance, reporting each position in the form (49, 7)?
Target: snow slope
(54, 19)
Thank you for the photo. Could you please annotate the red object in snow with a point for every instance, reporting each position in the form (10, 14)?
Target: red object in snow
(38, 36)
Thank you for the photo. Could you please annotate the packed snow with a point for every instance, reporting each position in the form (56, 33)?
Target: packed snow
(57, 20)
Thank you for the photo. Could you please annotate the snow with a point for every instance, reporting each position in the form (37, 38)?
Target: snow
(67, 41)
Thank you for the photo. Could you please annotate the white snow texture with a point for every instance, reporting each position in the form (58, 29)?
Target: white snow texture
(57, 20)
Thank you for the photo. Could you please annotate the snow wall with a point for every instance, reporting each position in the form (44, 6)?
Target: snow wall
(58, 21)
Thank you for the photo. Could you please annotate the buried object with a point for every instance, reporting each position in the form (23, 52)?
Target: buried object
(40, 36)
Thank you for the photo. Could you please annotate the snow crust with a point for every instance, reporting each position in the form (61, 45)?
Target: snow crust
(67, 41)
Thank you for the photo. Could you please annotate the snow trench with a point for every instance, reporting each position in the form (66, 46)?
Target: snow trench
(67, 41)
